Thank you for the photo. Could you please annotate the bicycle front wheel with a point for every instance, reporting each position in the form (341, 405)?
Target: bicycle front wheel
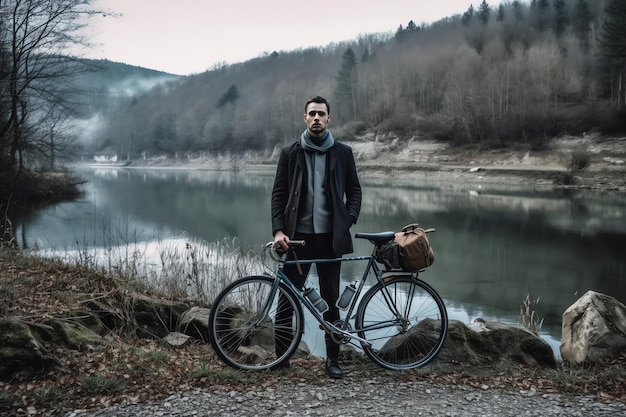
(253, 327)
(405, 321)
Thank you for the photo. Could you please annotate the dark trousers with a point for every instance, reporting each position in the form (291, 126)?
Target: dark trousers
(318, 246)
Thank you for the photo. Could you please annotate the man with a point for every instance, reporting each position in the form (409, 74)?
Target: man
(316, 198)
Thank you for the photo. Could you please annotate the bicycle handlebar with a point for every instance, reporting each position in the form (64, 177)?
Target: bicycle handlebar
(291, 243)
(276, 253)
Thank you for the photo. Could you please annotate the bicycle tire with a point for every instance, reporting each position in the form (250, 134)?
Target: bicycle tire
(408, 342)
(245, 340)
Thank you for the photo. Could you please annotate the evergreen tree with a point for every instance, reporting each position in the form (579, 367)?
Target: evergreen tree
(468, 15)
(411, 27)
(404, 33)
(399, 33)
(517, 10)
(229, 97)
(612, 41)
(561, 19)
(581, 21)
(346, 84)
(500, 15)
(365, 56)
(540, 14)
(484, 12)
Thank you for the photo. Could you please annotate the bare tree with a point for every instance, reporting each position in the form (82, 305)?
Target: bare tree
(613, 49)
(34, 34)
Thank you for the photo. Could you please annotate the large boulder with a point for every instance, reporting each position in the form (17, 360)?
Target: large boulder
(593, 329)
(194, 322)
(21, 353)
(487, 343)
(80, 330)
(155, 318)
(145, 316)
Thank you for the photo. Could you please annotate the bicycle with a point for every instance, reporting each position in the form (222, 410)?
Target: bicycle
(400, 322)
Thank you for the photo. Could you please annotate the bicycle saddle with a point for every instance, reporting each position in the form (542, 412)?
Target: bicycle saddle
(380, 237)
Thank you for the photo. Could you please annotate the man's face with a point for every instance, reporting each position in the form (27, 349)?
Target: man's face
(316, 118)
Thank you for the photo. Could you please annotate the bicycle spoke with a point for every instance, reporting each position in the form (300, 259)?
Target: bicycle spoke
(254, 325)
(407, 341)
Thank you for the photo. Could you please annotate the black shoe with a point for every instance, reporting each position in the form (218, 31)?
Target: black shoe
(333, 369)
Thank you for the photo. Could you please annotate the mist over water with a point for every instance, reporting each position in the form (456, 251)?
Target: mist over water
(493, 245)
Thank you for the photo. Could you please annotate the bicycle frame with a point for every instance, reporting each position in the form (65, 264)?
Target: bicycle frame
(372, 266)
(400, 321)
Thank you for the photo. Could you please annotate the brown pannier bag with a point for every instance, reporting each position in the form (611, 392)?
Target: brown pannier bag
(389, 255)
(415, 251)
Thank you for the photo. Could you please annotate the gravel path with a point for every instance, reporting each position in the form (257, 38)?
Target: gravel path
(371, 397)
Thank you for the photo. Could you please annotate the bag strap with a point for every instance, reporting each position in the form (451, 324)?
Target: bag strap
(295, 257)
(410, 227)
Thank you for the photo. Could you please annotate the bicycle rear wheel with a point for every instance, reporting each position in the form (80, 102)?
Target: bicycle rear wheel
(405, 321)
(251, 328)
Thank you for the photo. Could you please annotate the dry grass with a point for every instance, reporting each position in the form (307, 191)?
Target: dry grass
(529, 318)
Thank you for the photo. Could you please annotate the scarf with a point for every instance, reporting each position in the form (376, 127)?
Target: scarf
(316, 213)
(317, 144)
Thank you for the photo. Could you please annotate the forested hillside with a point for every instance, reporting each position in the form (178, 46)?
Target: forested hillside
(517, 73)
(102, 85)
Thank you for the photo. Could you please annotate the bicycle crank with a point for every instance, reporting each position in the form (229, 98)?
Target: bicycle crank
(340, 338)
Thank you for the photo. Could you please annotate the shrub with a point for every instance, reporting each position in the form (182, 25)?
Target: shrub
(609, 120)
(438, 126)
(401, 123)
(574, 119)
(579, 161)
(355, 128)
(564, 178)
(343, 133)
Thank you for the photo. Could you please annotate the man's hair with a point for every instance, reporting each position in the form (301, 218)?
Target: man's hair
(317, 99)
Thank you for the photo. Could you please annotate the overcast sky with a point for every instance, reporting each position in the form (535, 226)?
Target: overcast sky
(191, 36)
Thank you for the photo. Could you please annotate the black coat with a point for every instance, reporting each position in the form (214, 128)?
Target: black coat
(341, 179)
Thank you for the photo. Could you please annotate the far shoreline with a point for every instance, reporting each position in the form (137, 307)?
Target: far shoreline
(420, 159)
(542, 177)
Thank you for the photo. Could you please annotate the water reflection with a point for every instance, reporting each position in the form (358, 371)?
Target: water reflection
(493, 245)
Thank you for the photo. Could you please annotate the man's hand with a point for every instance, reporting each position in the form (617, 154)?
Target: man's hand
(281, 240)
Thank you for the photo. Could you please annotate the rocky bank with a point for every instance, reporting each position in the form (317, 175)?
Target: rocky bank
(419, 159)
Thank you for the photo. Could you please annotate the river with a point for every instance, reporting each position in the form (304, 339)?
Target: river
(494, 245)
